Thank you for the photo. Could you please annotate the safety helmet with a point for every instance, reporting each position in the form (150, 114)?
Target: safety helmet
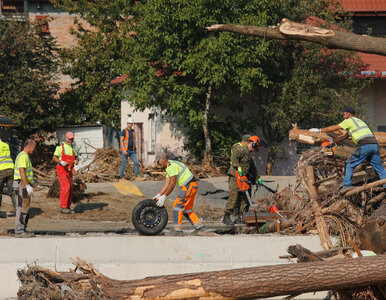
(130, 120)
(255, 141)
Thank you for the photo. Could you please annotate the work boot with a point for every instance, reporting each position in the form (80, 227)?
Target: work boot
(227, 219)
(197, 231)
(25, 235)
(202, 232)
(176, 233)
(66, 211)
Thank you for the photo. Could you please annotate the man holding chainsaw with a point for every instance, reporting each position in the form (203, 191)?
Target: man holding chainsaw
(367, 146)
(178, 173)
(241, 163)
(66, 157)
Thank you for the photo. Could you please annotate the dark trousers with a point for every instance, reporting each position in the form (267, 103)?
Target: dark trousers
(6, 177)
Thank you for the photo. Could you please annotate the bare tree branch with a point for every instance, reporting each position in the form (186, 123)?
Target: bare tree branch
(288, 30)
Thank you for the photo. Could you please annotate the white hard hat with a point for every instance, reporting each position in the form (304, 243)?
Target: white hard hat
(130, 120)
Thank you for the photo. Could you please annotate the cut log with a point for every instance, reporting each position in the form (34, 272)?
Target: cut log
(298, 135)
(248, 283)
(320, 222)
(365, 187)
(288, 30)
(303, 254)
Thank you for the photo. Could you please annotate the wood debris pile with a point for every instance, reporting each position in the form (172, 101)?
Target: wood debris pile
(319, 204)
(104, 166)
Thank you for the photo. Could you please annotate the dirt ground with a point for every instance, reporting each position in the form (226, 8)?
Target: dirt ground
(96, 210)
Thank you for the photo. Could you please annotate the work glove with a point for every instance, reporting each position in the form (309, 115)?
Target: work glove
(161, 201)
(314, 130)
(29, 190)
(156, 196)
(63, 163)
(240, 171)
(259, 181)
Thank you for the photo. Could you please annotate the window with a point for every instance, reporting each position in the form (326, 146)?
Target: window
(382, 128)
(12, 6)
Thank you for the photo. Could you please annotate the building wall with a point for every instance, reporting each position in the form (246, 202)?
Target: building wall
(376, 103)
(157, 135)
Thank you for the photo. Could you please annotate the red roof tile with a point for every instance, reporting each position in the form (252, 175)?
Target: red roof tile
(364, 5)
(375, 65)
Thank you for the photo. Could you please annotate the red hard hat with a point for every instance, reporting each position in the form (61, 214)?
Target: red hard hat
(255, 141)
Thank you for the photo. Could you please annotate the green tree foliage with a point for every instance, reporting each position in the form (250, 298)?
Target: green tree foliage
(93, 62)
(216, 86)
(286, 80)
(27, 86)
(178, 66)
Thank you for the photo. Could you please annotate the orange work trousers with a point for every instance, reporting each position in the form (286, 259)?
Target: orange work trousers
(183, 206)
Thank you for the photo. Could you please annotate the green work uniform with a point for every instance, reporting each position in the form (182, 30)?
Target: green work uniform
(240, 157)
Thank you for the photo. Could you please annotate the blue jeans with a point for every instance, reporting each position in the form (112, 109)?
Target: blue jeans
(369, 152)
(134, 158)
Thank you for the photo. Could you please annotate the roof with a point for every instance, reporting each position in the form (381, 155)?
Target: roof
(374, 65)
(363, 6)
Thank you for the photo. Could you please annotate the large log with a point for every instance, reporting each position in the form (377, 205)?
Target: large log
(288, 30)
(248, 283)
(300, 135)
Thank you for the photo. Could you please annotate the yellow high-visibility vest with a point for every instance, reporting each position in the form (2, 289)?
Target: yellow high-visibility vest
(359, 130)
(6, 161)
(28, 167)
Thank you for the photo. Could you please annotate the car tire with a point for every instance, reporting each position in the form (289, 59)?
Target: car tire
(148, 218)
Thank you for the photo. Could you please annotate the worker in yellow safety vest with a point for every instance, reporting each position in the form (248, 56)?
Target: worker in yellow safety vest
(22, 184)
(367, 145)
(6, 171)
(178, 173)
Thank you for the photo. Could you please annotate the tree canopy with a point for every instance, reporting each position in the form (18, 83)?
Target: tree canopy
(216, 86)
(27, 85)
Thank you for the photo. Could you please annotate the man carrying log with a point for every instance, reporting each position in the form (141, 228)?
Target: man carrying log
(361, 135)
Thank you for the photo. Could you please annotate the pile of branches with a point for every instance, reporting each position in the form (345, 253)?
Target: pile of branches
(104, 166)
(320, 204)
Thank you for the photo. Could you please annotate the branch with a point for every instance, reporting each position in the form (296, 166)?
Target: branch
(288, 30)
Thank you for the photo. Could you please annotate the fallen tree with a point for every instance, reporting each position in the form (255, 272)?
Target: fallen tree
(288, 30)
(85, 282)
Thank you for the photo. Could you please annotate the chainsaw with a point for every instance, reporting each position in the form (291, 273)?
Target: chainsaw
(243, 185)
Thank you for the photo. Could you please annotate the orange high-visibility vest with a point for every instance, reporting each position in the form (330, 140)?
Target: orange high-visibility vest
(126, 140)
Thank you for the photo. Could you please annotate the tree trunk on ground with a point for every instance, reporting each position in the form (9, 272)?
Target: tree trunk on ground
(208, 157)
(248, 283)
(272, 153)
(288, 30)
